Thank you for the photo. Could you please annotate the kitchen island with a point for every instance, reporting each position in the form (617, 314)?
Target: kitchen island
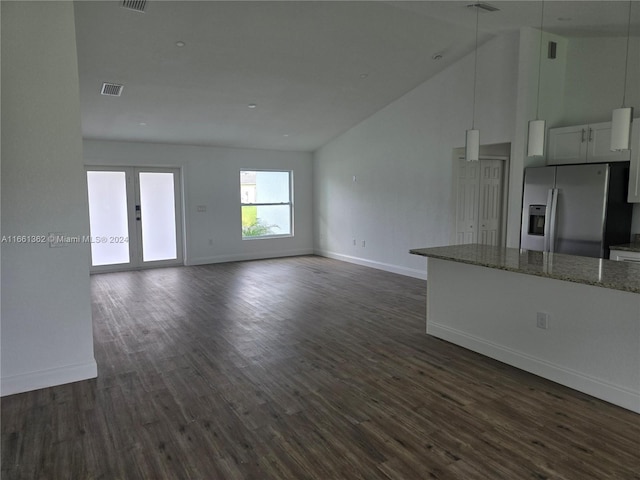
(574, 320)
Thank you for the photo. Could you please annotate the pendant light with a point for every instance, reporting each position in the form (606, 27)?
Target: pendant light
(472, 144)
(537, 127)
(621, 118)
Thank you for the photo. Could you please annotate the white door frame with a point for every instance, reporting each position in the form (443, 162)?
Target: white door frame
(135, 227)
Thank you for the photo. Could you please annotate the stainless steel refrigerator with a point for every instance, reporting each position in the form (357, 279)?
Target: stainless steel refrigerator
(576, 209)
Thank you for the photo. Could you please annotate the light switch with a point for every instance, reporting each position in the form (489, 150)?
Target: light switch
(542, 320)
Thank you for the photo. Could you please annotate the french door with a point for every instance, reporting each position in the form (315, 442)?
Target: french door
(134, 217)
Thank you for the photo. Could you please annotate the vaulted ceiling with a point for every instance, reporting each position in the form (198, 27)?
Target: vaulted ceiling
(311, 69)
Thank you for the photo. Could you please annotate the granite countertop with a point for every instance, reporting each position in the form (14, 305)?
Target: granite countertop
(623, 276)
(627, 247)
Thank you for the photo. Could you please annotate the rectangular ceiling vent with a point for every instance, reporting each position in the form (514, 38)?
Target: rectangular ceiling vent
(135, 5)
(484, 6)
(111, 89)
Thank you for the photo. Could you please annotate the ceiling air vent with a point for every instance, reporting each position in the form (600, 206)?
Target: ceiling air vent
(135, 5)
(484, 6)
(111, 89)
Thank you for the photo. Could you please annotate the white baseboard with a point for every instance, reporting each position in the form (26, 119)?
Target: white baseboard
(387, 267)
(48, 378)
(239, 257)
(592, 386)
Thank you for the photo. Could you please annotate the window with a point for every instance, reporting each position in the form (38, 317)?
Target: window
(265, 196)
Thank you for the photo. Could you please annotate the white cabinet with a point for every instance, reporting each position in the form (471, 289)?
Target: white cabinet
(583, 144)
(567, 145)
(624, 256)
(634, 170)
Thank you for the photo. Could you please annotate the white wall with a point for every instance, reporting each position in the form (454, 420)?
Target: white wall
(402, 160)
(211, 177)
(46, 313)
(595, 79)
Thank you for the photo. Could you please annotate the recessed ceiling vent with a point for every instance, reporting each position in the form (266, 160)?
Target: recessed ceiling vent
(484, 6)
(111, 89)
(135, 5)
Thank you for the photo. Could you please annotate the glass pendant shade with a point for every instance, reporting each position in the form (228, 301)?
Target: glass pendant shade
(621, 128)
(472, 148)
(535, 145)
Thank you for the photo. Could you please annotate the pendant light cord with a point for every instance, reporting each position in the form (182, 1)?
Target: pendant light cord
(475, 74)
(626, 58)
(540, 61)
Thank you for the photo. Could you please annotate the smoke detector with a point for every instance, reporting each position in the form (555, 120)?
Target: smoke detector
(135, 5)
(111, 89)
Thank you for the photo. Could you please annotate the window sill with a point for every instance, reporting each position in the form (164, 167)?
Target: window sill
(262, 237)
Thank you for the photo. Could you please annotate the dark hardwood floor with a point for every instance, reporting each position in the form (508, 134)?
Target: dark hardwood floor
(299, 368)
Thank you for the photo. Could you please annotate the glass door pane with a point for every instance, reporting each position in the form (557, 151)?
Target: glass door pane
(158, 212)
(108, 217)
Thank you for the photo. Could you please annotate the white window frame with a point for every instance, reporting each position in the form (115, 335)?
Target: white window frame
(258, 204)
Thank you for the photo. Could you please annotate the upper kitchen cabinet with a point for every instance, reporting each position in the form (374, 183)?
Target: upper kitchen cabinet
(583, 144)
(567, 145)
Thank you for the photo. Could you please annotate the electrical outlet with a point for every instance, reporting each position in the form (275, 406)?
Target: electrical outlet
(542, 320)
(363, 243)
(354, 242)
(201, 208)
(211, 242)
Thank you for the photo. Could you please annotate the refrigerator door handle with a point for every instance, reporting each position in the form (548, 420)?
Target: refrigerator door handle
(554, 192)
(547, 222)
